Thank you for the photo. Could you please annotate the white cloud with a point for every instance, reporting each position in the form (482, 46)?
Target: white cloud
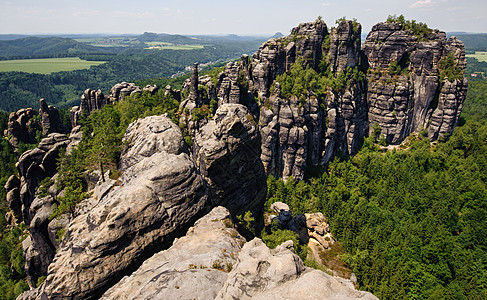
(326, 4)
(423, 4)
(368, 9)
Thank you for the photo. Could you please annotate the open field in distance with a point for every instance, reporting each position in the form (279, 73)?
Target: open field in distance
(47, 65)
(480, 56)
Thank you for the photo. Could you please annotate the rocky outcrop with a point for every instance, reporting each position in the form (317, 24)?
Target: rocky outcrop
(405, 92)
(22, 127)
(93, 100)
(90, 100)
(313, 229)
(392, 85)
(194, 267)
(120, 90)
(35, 165)
(159, 195)
(50, 120)
(263, 273)
(227, 151)
(210, 263)
(26, 205)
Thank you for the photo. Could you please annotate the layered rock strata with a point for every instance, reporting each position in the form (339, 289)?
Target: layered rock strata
(159, 194)
(227, 151)
(24, 127)
(405, 92)
(400, 94)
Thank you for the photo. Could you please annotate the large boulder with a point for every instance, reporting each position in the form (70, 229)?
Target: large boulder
(195, 267)
(160, 195)
(264, 273)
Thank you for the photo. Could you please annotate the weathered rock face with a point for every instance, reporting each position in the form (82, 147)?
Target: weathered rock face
(262, 273)
(405, 93)
(276, 56)
(227, 151)
(296, 134)
(195, 266)
(160, 193)
(33, 166)
(313, 229)
(50, 120)
(90, 100)
(22, 127)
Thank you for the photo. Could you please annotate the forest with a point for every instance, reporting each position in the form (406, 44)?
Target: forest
(63, 89)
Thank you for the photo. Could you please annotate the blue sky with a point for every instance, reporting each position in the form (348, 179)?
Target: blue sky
(227, 16)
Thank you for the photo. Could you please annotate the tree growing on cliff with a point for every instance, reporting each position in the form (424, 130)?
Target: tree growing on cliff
(105, 144)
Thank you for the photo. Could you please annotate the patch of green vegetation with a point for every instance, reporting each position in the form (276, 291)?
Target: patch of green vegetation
(273, 236)
(449, 69)
(100, 148)
(418, 29)
(47, 65)
(44, 185)
(300, 81)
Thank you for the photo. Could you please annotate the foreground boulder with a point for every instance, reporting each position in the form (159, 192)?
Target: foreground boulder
(160, 194)
(264, 273)
(196, 265)
(210, 263)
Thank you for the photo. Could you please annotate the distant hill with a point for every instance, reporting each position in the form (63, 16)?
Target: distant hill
(49, 46)
(473, 41)
(167, 38)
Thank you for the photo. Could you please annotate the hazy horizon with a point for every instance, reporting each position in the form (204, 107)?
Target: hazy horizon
(217, 17)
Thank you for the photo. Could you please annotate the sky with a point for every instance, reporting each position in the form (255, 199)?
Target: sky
(251, 17)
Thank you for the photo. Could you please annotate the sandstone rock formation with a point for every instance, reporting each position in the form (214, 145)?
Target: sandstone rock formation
(196, 265)
(227, 151)
(50, 120)
(120, 90)
(33, 166)
(210, 263)
(313, 229)
(298, 133)
(406, 93)
(23, 127)
(262, 273)
(92, 100)
(160, 194)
